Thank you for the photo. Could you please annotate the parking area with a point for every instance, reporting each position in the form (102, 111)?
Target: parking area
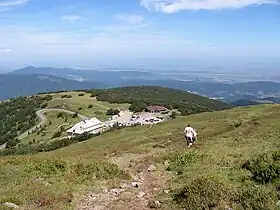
(128, 118)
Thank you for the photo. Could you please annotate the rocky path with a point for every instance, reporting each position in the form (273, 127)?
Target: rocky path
(136, 194)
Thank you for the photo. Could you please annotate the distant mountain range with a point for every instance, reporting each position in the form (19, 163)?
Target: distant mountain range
(24, 85)
(105, 75)
(30, 80)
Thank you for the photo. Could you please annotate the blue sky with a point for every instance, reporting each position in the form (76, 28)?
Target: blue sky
(113, 33)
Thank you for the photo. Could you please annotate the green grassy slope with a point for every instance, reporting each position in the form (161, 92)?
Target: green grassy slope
(207, 176)
(54, 124)
(81, 104)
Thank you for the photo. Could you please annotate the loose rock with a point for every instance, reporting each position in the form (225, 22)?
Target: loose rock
(135, 184)
(166, 163)
(154, 204)
(141, 176)
(114, 191)
(39, 179)
(11, 205)
(141, 194)
(124, 186)
(166, 191)
(151, 168)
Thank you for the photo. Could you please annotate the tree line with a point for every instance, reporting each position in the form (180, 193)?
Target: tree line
(18, 115)
(143, 96)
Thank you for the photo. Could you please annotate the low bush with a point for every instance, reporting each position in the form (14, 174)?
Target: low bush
(66, 96)
(57, 134)
(265, 168)
(202, 193)
(75, 115)
(98, 113)
(46, 168)
(44, 105)
(113, 112)
(173, 115)
(60, 115)
(81, 94)
(179, 162)
(90, 106)
(101, 170)
(237, 123)
(47, 98)
(45, 147)
(256, 198)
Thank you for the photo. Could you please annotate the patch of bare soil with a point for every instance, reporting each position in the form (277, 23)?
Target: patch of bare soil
(136, 194)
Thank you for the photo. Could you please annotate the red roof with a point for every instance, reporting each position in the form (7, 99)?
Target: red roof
(157, 108)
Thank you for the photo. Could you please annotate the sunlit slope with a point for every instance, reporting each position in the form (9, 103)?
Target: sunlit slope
(227, 139)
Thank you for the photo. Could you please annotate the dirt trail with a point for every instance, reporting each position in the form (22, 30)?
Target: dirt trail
(127, 196)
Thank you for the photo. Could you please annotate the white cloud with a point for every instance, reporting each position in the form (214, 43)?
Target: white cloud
(5, 50)
(10, 3)
(171, 6)
(72, 18)
(130, 19)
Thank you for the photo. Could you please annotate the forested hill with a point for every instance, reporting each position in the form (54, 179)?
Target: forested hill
(142, 96)
(18, 115)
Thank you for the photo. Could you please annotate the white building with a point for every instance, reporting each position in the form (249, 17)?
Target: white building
(92, 126)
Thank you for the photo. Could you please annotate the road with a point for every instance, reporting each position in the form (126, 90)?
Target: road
(3, 146)
(43, 119)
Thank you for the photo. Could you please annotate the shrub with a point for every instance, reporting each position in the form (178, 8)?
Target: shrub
(81, 94)
(137, 106)
(12, 143)
(101, 170)
(257, 198)
(202, 193)
(237, 123)
(60, 115)
(265, 168)
(98, 113)
(46, 167)
(90, 106)
(47, 98)
(80, 108)
(113, 112)
(56, 144)
(178, 162)
(173, 115)
(66, 96)
(44, 105)
(75, 115)
(57, 134)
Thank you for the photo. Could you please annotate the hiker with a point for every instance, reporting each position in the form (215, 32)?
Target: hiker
(190, 135)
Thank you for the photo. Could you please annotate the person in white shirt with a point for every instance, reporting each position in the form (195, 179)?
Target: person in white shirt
(190, 135)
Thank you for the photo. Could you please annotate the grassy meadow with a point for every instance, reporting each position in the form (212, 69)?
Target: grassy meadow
(81, 104)
(54, 124)
(221, 171)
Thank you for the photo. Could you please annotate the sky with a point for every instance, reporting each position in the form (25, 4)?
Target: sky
(135, 33)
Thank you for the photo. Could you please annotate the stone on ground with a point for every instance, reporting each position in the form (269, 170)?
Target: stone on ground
(151, 168)
(11, 205)
(141, 194)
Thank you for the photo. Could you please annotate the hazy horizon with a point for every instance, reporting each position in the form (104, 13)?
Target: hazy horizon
(152, 34)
